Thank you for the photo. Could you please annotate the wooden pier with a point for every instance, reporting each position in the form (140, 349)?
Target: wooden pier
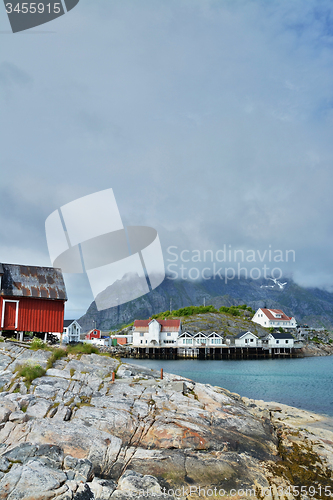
(229, 352)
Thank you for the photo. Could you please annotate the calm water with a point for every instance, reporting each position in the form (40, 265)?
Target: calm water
(305, 383)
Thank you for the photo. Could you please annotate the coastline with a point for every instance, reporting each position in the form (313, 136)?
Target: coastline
(313, 349)
(315, 427)
(78, 432)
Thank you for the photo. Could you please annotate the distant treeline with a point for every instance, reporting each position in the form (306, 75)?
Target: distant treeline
(192, 310)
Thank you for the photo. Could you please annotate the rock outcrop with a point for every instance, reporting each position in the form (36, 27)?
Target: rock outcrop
(313, 349)
(76, 434)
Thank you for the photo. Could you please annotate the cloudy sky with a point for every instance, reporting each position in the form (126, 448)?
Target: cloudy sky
(210, 119)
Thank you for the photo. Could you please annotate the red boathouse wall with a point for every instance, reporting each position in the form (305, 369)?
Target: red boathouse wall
(33, 315)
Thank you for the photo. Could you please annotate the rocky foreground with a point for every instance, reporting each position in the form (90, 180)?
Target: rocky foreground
(75, 434)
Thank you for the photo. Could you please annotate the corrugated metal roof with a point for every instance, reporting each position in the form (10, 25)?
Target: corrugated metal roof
(166, 324)
(32, 281)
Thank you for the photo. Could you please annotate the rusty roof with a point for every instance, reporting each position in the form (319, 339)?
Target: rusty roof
(166, 324)
(32, 281)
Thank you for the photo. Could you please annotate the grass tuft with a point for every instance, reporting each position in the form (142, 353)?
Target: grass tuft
(36, 344)
(82, 349)
(56, 354)
(29, 371)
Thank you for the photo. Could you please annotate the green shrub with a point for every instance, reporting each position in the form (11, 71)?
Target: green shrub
(192, 310)
(30, 371)
(234, 311)
(186, 311)
(37, 343)
(224, 309)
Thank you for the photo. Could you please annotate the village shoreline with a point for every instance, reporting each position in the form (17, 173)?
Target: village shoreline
(309, 350)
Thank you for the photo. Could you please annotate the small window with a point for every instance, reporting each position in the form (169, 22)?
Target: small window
(141, 341)
(168, 334)
(277, 341)
(251, 340)
(141, 334)
(287, 341)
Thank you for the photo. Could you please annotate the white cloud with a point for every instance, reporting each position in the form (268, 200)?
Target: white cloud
(210, 120)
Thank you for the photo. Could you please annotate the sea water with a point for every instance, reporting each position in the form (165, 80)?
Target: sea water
(301, 382)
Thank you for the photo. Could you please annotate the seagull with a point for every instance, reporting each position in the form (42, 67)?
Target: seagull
(276, 282)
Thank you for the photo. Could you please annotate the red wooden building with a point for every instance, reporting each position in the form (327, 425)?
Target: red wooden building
(32, 299)
(93, 334)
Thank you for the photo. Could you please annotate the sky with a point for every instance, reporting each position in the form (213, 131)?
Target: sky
(210, 120)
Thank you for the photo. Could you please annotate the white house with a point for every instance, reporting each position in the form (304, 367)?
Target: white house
(246, 339)
(274, 318)
(280, 340)
(215, 339)
(185, 339)
(200, 339)
(71, 331)
(101, 342)
(156, 332)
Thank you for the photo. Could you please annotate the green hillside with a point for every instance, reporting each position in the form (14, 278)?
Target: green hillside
(227, 320)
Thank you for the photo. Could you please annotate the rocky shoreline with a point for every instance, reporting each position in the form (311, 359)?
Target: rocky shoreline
(314, 349)
(77, 434)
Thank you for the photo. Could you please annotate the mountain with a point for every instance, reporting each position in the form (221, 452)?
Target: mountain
(309, 305)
